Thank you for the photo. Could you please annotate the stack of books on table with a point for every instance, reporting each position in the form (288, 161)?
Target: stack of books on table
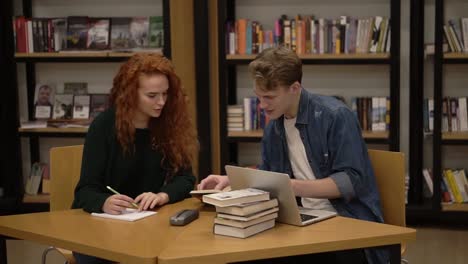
(243, 213)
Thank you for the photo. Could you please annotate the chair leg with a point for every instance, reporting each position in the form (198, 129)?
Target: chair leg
(44, 254)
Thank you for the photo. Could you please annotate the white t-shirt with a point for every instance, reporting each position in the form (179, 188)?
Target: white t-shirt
(300, 164)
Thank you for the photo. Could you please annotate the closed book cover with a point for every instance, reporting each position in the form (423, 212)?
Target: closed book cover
(77, 32)
(243, 224)
(248, 208)
(120, 33)
(34, 180)
(243, 232)
(156, 32)
(98, 33)
(248, 217)
(236, 197)
(200, 193)
(127, 215)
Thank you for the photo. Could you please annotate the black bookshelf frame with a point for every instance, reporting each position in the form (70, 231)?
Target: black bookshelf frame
(438, 142)
(420, 210)
(416, 131)
(228, 83)
(201, 21)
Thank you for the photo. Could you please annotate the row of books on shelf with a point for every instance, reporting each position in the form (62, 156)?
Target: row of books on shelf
(88, 33)
(456, 34)
(309, 35)
(74, 107)
(248, 116)
(454, 114)
(38, 180)
(454, 185)
(373, 114)
(243, 213)
(74, 103)
(56, 123)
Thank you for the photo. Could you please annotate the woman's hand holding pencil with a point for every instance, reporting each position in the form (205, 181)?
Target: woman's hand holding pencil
(117, 203)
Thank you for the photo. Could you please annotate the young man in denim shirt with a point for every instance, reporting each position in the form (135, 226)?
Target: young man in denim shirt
(317, 141)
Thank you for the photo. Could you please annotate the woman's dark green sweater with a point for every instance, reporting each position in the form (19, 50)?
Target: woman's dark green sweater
(132, 173)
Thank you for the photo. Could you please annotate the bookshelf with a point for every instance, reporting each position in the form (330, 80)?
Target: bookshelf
(441, 139)
(228, 67)
(31, 59)
(83, 56)
(40, 198)
(177, 16)
(443, 143)
(377, 58)
(256, 136)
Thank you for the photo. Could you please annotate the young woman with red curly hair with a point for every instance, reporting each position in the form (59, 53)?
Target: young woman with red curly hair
(143, 145)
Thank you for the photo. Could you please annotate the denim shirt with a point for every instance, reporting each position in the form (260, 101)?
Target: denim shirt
(335, 148)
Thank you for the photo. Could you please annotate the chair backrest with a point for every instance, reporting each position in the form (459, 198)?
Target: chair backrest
(389, 170)
(65, 168)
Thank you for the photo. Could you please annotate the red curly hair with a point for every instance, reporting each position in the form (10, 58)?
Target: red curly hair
(173, 131)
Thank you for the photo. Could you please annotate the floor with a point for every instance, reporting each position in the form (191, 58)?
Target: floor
(434, 246)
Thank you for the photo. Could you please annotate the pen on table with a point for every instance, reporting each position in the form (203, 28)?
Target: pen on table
(116, 192)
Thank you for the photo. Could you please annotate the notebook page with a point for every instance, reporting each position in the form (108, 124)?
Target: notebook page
(127, 215)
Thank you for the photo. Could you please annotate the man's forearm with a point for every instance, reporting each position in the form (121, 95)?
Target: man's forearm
(321, 188)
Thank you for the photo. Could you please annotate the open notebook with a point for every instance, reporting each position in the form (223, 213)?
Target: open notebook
(127, 215)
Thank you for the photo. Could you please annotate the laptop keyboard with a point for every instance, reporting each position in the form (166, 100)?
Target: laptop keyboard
(305, 217)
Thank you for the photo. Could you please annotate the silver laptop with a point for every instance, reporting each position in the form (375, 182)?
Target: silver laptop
(279, 186)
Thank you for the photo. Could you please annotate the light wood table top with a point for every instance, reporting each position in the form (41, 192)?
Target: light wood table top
(153, 240)
(127, 242)
(197, 244)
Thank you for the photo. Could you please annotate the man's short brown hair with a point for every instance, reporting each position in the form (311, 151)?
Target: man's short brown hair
(276, 66)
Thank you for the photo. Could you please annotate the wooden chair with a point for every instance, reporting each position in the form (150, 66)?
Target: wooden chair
(389, 170)
(65, 168)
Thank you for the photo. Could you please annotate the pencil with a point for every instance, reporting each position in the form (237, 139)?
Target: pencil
(116, 192)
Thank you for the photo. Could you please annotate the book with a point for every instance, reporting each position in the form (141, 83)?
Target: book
(244, 224)
(98, 33)
(139, 30)
(120, 33)
(200, 193)
(248, 217)
(243, 232)
(34, 124)
(203, 192)
(248, 208)
(156, 32)
(34, 180)
(43, 98)
(77, 32)
(99, 104)
(428, 181)
(63, 106)
(59, 26)
(81, 106)
(128, 214)
(75, 88)
(223, 199)
(45, 178)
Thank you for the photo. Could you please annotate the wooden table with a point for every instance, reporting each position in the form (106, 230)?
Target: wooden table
(141, 241)
(153, 240)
